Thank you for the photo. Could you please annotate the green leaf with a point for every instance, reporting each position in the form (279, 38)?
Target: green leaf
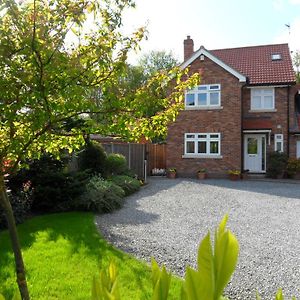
(2, 297)
(279, 295)
(191, 285)
(161, 282)
(226, 255)
(206, 269)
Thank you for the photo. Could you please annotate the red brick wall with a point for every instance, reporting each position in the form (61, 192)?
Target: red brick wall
(278, 118)
(226, 121)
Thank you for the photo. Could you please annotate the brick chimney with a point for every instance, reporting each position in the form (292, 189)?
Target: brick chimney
(188, 47)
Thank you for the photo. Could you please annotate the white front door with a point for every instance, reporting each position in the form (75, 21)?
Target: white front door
(298, 149)
(255, 153)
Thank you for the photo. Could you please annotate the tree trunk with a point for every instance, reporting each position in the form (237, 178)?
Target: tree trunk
(12, 228)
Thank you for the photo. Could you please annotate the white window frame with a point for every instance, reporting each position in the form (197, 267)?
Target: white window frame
(208, 89)
(278, 138)
(262, 92)
(209, 137)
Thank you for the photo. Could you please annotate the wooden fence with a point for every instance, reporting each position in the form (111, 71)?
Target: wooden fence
(134, 154)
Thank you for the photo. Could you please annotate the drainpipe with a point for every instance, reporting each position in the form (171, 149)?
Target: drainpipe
(242, 135)
(288, 122)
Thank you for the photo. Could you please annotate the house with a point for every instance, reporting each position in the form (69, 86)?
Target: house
(246, 106)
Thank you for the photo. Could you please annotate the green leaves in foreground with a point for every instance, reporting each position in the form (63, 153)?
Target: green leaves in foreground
(161, 282)
(214, 268)
(105, 287)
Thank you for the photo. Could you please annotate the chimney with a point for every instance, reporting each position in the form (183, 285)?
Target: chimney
(188, 47)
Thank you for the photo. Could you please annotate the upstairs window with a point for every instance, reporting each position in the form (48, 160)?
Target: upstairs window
(262, 99)
(204, 96)
(202, 144)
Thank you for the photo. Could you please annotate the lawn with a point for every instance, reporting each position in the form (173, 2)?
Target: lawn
(63, 252)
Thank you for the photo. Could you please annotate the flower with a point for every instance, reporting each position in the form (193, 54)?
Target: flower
(172, 170)
(234, 172)
(203, 170)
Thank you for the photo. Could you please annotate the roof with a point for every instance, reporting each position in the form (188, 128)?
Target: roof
(256, 63)
(203, 51)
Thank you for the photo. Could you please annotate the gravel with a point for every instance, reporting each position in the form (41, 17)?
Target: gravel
(168, 218)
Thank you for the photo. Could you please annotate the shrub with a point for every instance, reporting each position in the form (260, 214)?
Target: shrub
(93, 158)
(277, 163)
(21, 204)
(293, 166)
(128, 184)
(53, 188)
(101, 196)
(116, 164)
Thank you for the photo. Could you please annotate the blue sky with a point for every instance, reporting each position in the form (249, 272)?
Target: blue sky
(214, 24)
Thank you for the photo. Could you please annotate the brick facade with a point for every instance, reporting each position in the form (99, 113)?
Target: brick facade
(237, 70)
(226, 121)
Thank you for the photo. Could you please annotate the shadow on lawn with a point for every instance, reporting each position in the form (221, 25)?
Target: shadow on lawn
(79, 230)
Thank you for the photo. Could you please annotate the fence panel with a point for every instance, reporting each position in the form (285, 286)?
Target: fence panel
(134, 154)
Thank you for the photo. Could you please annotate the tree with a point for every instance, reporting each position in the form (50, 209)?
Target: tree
(48, 83)
(296, 62)
(156, 61)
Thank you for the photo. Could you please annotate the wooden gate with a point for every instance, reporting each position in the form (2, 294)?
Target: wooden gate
(156, 157)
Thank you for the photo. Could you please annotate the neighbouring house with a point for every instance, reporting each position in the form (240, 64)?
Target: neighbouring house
(246, 106)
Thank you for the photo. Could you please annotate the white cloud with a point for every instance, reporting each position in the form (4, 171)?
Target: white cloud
(292, 38)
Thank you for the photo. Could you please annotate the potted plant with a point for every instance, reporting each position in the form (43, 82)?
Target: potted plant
(234, 175)
(171, 173)
(202, 173)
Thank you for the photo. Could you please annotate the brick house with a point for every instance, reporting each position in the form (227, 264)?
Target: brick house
(246, 105)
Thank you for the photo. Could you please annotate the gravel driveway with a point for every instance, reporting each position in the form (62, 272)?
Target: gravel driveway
(168, 218)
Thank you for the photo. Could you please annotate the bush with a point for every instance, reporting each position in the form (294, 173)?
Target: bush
(293, 166)
(128, 184)
(277, 163)
(93, 158)
(53, 188)
(116, 164)
(101, 196)
(21, 205)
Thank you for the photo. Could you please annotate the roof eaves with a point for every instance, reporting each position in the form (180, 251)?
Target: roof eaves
(219, 62)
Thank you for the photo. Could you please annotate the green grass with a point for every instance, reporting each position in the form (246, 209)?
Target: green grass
(63, 252)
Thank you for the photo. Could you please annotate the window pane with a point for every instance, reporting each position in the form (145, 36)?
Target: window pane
(279, 146)
(268, 92)
(190, 99)
(190, 136)
(268, 102)
(202, 99)
(214, 136)
(202, 136)
(214, 98)
(214, 147)
(252, 146)
(214, 87)
(190, 147)
(202, 88)
(202, 147)
(256, 102)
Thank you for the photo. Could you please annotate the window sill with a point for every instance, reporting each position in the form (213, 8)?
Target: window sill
(202, 156)
(203, 107)
(261, 110)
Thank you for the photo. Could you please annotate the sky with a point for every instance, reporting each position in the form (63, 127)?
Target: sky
(215, 24)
